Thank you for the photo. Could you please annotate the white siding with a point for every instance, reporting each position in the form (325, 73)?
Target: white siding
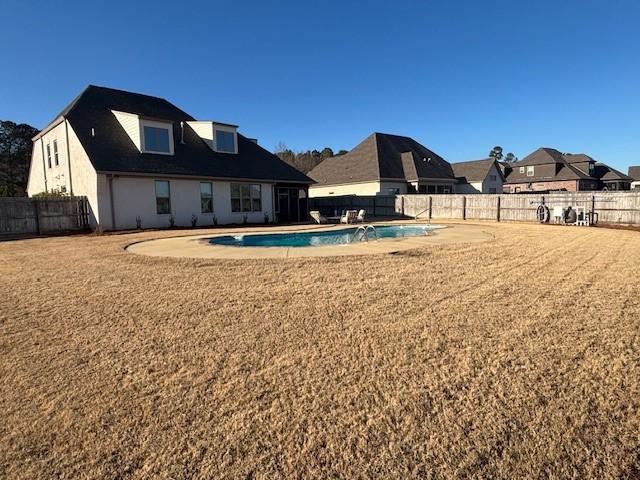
(131, 124)
(204, 130)
(135, 196)
(497, 183)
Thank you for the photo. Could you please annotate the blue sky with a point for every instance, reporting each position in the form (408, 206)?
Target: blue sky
(458, 76)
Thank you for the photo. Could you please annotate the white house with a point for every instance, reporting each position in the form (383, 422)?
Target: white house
(634, 173)
(383, 164)
(140, 159)
(478, 176)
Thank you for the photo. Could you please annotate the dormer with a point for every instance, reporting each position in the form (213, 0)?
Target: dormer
(221, 137)
(149, 135)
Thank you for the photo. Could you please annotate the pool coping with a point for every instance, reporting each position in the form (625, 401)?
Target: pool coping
(197, 246)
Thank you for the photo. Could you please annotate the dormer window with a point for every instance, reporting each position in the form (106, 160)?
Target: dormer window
(225, 141)
(157, 137)
(220, 137)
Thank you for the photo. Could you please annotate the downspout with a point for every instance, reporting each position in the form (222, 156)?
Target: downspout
(44, 165)
(113, 214)
(66, 137)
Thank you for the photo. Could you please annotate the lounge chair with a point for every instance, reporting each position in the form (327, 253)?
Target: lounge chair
(360, 217)
(318, 217)
(349, 216)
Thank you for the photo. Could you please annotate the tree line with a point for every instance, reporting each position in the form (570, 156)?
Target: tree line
(304, 161)
(15, 157)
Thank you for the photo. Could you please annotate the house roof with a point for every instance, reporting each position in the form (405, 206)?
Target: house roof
(563, 170)
(382, 156)
(607, 173)
(634, 172)
(475, 170)
(111, 149)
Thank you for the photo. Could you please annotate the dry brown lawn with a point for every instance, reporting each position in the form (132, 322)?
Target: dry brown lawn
(516, 358)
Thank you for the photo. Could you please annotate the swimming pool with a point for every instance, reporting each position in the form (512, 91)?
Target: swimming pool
(313, 239)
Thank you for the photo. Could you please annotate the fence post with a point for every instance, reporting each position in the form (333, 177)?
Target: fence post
(37, 207)
(498, 209)
(430, 207)
(464, 208)
(374, 206)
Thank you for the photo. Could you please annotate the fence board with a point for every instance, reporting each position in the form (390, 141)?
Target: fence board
(611, 207)
(374, 205)
(42, 215)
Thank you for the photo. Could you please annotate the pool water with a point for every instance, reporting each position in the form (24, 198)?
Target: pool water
(312, 239)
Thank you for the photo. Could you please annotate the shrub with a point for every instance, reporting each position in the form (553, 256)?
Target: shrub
(194, 220)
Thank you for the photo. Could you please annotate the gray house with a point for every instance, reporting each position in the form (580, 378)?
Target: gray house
(478, 176)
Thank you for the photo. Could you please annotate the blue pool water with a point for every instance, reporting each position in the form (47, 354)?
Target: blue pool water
(311, 239)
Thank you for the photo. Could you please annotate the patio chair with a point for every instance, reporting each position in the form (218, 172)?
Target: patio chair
(349, 216)
(318, 217)
(360, 217)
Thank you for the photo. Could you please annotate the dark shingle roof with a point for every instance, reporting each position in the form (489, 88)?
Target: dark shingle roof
(545, 156)
(111, 149)
(606, 173)
(634, 172)
(475, 170)
(383, 156)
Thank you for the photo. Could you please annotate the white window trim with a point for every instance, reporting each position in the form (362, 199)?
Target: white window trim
(154, 124)
(531, 171)
(521, 169)
(225, 128)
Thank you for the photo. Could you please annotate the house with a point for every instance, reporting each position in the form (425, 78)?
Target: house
(141, 160)
(478, 176)
(611, 179)
(383, 164)
(634, 174)
(547, 169)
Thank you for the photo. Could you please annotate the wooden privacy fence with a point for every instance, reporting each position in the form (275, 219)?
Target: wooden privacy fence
(610, 207)
(42, 215)
(374, 205)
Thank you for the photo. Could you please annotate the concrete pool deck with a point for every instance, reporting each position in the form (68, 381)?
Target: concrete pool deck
(197, 246)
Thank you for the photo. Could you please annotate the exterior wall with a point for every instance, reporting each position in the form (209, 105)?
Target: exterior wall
(473, 187)
(568, 185)
(55, 178)
(488, 184)
(635, 184)
(205, 131)
(82, 180)
(365, 188)
(135, 196)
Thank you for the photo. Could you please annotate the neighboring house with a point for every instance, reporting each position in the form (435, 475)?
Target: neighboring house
(634, 174)
(478, 176)
(611, 179)
(547, 169)
(383, 164)
(140, 158)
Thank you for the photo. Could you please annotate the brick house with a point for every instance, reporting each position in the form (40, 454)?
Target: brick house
(547, 169)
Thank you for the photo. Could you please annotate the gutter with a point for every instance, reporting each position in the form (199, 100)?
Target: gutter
(200, 177)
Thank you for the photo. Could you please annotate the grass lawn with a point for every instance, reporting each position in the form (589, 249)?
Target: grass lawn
(518, 357)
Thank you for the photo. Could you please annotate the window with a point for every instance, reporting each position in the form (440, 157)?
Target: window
(55, 152)
(530, 171)
(206, 197)
(49, 154)
(163, 197)
(521, 169)
(516, 190)
(156, 139)
(246, 197)
(493, 178)
(225, 141)
(492, 190)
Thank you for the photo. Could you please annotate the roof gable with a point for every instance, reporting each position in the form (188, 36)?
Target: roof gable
(475, 170)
